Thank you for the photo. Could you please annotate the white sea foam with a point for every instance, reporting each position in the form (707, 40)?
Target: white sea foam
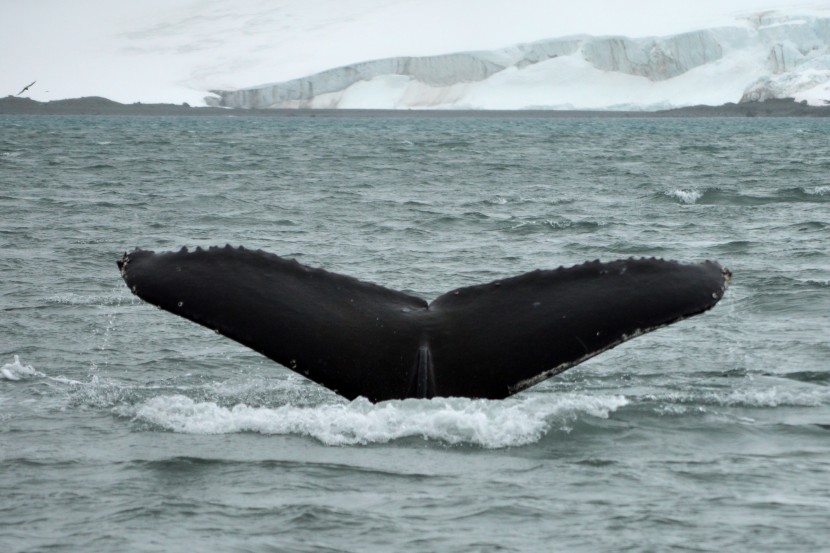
(490, 424)
(685, 196)
(17, 370)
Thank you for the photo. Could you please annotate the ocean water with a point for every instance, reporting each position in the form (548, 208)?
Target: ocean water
(123, 427)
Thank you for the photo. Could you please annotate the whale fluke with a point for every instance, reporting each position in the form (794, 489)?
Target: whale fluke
(360, 339)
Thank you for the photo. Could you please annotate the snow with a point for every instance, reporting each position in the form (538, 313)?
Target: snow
(177, 50)
(550, 85)
(771, 56)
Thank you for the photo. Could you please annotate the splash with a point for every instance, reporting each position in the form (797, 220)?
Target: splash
(489, 424)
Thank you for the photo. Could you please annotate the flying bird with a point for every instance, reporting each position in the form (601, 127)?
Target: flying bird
(27, 87)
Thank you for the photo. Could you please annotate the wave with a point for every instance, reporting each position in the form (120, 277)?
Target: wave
(294, 406)
(812, 377)
(804, 194)
(18, 371)
(678, 402)
(489, 424)
(685, 196)
(289, 405)
(808, 226)
(781, 286)
(719, 196)
(531, 226)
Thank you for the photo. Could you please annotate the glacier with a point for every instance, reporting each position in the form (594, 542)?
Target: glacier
(768, 55)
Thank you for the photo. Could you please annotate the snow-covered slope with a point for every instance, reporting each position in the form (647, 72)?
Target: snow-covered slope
(771, 55)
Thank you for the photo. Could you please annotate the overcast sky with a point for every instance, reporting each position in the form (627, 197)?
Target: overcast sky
(175, 50)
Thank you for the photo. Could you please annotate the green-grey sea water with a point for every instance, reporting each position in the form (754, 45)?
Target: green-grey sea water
(124, 428)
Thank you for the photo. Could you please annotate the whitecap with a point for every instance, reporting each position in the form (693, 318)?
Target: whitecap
(17, 370)
(685, 196)
(774, 397)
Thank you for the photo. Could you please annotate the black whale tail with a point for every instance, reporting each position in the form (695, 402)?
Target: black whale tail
(360, 339)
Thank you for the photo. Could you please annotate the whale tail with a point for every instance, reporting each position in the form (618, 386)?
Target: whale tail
(360, 339)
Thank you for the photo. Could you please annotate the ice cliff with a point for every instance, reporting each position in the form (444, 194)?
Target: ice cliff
(765, 56)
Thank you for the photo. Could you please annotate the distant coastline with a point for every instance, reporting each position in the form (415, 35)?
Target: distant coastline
(94, 105)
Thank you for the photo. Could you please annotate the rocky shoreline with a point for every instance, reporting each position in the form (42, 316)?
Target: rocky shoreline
(94, 105)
